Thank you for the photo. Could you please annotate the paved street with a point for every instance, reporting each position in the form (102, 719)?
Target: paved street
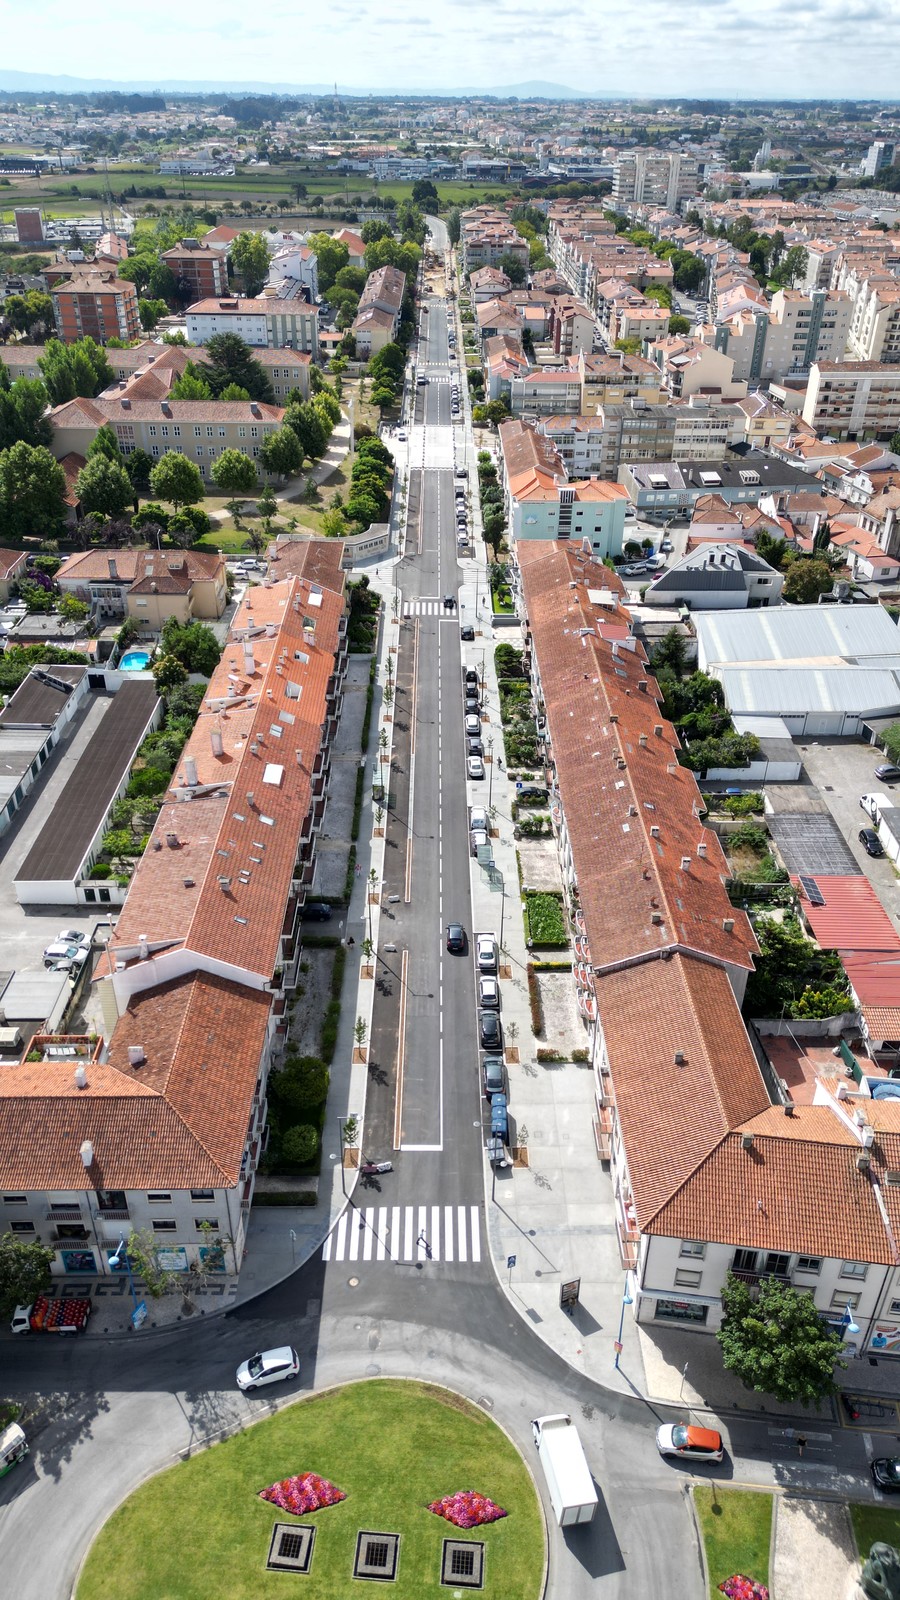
(404, 1284)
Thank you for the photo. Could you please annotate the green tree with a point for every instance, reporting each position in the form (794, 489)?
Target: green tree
(331, 256)
(513, 266)
(71, 609)
(162, 284)
(301, 1085)
(679, 324)
(105, 443)
(282, 453)
(23, 405)
(177, 480)
(384, 395)
(70, 370)
(391, 253)
(372, 231)
(333, 524)
(150, 313)
(190, 386)
(388, 362)
(805, 580)
(24, 1271)
(787, 966)
(234, 473)
(104, 487)
(630, 347)
(453, 225)
(424, 193)
(250, 258)
(670, 653)
(894, 445)
(775, 1339)
(193, 644)
(690, 272)
(300, 1145)
(232, 361)
(143, 1249)
(32, 492)
(306, 422)
(353, 278)
(25, 311)
(168, 674)
(793, 265)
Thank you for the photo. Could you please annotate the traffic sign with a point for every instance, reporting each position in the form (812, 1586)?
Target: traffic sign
(139, 1314)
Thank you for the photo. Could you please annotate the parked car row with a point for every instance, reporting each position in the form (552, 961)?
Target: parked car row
(69, 950)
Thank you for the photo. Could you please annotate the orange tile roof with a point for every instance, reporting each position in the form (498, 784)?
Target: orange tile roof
(240, 851)
(601, 699)
(797, 1188)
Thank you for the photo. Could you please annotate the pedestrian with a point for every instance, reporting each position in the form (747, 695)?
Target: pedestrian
(801, 1442)
(358, 869)
(351, 940)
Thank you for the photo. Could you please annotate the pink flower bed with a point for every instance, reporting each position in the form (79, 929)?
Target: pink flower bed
(467, 1509)
(306, 1492)
(741, 1588)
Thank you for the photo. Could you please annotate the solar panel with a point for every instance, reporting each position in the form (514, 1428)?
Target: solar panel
(812, 891)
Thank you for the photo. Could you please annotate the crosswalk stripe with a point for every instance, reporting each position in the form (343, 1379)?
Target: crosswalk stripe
(461, 1232)
(410, 1233)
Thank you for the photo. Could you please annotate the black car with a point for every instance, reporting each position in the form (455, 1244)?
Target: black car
(474, 747)
(456, 938)
(467, 632)
(316, 911)
(490, 1033)
(886, 1472)
(870, 842)
(471, 676)
(473, 704)
(493, 1076)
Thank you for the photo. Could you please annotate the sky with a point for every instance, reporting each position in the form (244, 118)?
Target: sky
(829, 48)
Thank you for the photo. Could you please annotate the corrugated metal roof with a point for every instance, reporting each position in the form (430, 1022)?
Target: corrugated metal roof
(852, 918)
(799, 633)
(875, 982)
(860, 691)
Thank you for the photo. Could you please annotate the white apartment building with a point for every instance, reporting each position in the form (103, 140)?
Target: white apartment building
(853, 399)
(875, 328)
(263, 323)
(798, 329)
(653, 177)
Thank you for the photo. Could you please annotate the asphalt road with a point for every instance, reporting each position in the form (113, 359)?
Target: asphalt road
(114, 1413)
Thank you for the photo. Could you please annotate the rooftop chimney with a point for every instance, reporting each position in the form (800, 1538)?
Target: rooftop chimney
(685, 863)
(136, 1056)
(81, 1082)
(728, 924)
(679, 1058)
(190, 771)
(215, 739)
(746, 1141)
(87, 1153)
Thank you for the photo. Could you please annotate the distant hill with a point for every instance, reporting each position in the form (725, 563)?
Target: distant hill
(36, 82)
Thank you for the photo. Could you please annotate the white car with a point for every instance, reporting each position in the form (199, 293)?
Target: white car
(475, 767)
(74, 954)
(473, 725)
(478, 818)
(72, 936)
(401, 434)
(486, 953)
(478, 840)
(267, 1366)
(489, 993)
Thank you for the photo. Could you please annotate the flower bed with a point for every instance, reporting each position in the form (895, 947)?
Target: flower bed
(303, 1493)
(467, 1509)
(741, 1588)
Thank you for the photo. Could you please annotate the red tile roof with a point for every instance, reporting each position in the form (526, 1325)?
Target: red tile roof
(852, 917)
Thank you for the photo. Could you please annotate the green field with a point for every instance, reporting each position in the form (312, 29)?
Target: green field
(199, 1529)
(736, 1525)
(874, 1525)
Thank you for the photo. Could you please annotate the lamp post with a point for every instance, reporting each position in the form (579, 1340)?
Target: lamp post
(627, 1300)
(490, 745)
(341, 1134)
(114, 1262)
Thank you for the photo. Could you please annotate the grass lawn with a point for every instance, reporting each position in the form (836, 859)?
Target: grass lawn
(737, 1527)
(544, 920)
(198, 1529)
(874, 1525)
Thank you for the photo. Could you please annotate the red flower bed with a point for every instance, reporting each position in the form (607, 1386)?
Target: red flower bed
(741, 1588)
(467, 1509)
(306, 1492)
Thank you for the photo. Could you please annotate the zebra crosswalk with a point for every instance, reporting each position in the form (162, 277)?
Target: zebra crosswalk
(405, 1233)
(428, 608)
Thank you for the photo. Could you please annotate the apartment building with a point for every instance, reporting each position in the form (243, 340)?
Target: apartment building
(853, 399)
(596, 446)
(717, 577)
(753, 1183)
(662, 489)
(653, 178)
(266, 322)
(198, 429)
(879, 155)
(486, 235)
(200, 270)
(163, 1128)
(768, 344)
(614, 378)
(542, 502)
(96, 304)
(688, 367)
(545, 390)
(875, 328)
(380, 308)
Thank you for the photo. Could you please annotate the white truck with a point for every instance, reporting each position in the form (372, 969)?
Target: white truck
(569, 1481)
(874, 804)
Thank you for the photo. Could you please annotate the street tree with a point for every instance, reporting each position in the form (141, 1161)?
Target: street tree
(234, 473)
(775, 1339)
(32, 492)
(250, 258)
(24, 1271)
(177, 480)
(104, 487)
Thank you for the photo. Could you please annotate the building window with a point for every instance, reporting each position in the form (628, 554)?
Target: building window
(895, 1308)
(854, 1269)
(22, 1227)
(210, 431)
(152, 430)
(840, 1300)
(688, 1280)
(221, 433)
(242, 433)
(200, 1223)
(694, 1248)
(159, 1198)
(254, 433)
(198, 432)
(176, 430)
(164, 430)
(203, 1194)
(163, 1225)
(154, 449)
(681, 1311)
(809, 1263)
(15, 1199)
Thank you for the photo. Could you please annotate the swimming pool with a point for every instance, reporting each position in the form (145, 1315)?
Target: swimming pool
(135, 661)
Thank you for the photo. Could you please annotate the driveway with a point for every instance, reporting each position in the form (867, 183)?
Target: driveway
(842, 770)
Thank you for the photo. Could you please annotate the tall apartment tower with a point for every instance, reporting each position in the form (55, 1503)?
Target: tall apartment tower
(653, 177)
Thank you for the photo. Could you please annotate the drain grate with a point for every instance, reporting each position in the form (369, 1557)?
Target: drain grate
(377, 1556)
(291, 1547)
(462, 1565)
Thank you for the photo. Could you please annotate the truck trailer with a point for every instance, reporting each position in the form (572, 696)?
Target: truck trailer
(569, 1481)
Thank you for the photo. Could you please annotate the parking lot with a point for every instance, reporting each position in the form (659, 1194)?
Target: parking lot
(842, 770)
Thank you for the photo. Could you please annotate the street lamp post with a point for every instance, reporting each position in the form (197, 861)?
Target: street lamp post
(627, 1300)
(490, 745)
(341, 1136)
(114, 1262)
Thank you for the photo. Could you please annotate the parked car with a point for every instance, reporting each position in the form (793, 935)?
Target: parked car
(467, 632)
(268, 1366)
(471, 676)
(316, 911)
(493, 1076)
(486, 952)
(456, 938)
(667, 547)
(488, 992)
(478, 840)
(401, 434)
(478, 817)
(473, 723)
(475, 767)
(689, 1443)
(870, 842)
(473, 703)
(73, 936)
(462, 472)
(886, 1472)
(887, 773)
(474, 747)
(490, 1033)
(72, 954)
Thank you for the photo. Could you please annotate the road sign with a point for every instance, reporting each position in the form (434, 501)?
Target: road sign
(139, 1314)
(510, 1262)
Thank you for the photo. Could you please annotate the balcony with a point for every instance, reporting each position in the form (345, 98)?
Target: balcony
(754, 1279)
(64, 1214)
(114, 1216)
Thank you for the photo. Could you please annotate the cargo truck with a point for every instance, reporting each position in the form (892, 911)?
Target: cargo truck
(66, 1315)
(569, 1481)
